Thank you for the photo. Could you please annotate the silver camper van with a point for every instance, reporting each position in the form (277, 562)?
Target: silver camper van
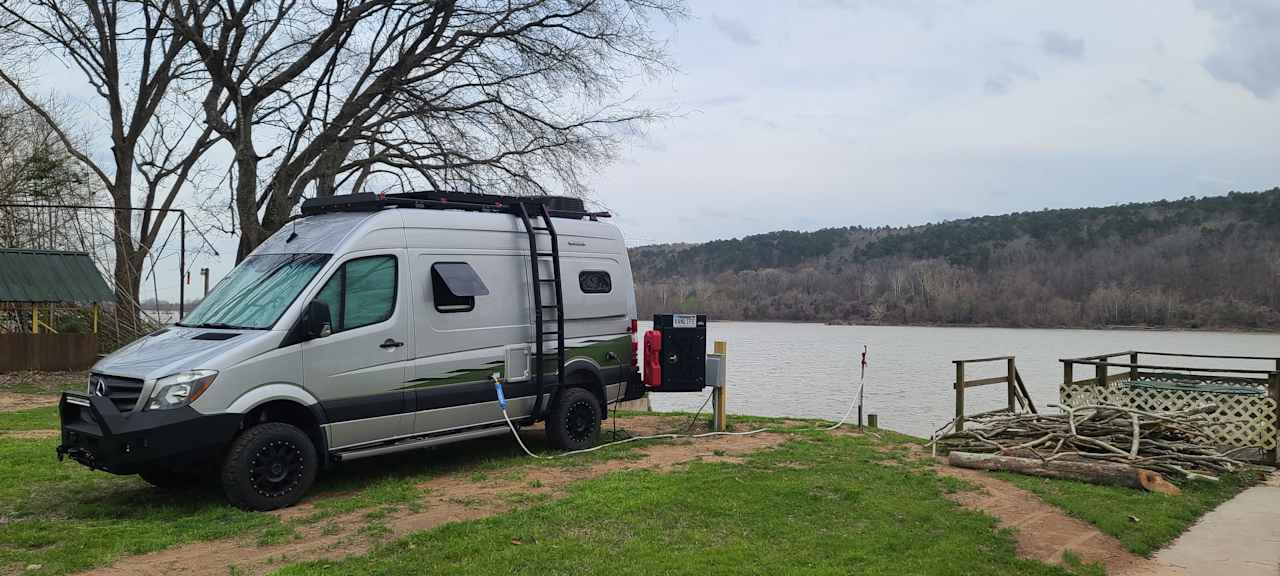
(370, 325)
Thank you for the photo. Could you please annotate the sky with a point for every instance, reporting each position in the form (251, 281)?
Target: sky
(805, 114)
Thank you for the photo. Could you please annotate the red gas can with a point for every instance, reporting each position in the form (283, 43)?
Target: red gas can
(653, 359)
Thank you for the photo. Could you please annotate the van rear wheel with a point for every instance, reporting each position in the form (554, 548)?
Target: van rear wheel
(574, 421)
(269, 466)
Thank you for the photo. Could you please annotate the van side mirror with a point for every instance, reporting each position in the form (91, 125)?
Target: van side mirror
(316, 321)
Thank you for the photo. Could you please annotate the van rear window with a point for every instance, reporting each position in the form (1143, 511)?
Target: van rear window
(595, 282)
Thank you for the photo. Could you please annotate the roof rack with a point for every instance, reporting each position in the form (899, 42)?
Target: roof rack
(558, 206)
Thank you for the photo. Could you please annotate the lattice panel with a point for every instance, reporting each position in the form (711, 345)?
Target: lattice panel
(1247, 420)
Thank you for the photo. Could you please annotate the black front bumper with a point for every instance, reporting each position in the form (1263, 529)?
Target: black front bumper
(97, 435)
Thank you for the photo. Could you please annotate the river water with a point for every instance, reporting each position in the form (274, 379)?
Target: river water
(811, 370)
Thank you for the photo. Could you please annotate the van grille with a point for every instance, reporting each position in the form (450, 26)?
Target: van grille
(123, 392)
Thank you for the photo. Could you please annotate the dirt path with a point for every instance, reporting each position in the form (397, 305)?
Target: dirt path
(10, 402)
(451, 498)
(1043, 532)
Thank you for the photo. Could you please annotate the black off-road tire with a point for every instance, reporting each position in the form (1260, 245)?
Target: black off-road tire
(574, 421)
(172, 478)
(269, 466)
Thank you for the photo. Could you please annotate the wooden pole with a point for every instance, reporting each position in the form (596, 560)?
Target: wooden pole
(959, 396)
(721, 347)
(1013, 391)
(1133, 370)
(1273, 387)
(1067, 377)
(1101, 374)
(35, 319)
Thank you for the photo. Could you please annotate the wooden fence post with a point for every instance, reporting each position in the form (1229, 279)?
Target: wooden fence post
(1013, 391)
(1133, 370)
(719, 419)
(1273, 387)
(1101, 373)
(959, 396)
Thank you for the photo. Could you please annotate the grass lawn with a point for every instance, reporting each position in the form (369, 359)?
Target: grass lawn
(34, 419)
(1159, 518)
(66, 518)
(819, 504)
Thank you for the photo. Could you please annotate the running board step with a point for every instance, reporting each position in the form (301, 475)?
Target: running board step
(418, 443)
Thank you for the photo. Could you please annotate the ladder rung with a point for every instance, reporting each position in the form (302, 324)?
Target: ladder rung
(546, 279)
(546, 253)
(546, 333)
(550, 305)
(542, 228)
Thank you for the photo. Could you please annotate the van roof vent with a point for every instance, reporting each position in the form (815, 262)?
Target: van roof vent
(559, 206)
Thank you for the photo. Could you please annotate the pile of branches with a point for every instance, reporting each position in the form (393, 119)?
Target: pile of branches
(1175, 444)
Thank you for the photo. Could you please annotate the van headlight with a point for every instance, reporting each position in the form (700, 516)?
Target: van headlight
(180, 389)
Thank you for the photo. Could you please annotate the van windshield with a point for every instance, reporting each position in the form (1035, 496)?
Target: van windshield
(256, 293)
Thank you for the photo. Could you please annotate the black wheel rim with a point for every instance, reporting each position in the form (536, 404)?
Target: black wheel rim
(579, 420)
(276, 468)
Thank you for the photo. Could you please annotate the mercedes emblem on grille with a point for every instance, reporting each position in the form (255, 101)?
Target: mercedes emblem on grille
(100, 386)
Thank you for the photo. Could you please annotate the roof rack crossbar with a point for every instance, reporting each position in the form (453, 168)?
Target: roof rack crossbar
(557, 206)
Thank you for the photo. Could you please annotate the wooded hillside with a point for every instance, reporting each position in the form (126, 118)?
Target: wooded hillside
(1193, 263)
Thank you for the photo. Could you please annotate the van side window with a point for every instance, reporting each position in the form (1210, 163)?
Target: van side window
(454, 286)
(595, 282)
(362, 292)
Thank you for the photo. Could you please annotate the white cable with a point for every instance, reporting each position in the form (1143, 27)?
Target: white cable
(520, 441)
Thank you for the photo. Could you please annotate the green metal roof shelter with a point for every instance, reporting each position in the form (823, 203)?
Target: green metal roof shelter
(38, 276)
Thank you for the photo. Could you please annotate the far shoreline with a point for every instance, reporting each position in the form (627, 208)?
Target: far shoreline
(1106, 328)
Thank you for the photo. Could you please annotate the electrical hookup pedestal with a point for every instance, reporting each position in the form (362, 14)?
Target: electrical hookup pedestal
(676, 360)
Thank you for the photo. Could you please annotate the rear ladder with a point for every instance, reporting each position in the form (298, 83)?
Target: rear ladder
(539, 320)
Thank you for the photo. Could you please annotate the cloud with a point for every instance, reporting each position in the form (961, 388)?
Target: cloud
(734, 30)
(1062, 46)
(1001, 82)
(1248, 50)
(1155, 88)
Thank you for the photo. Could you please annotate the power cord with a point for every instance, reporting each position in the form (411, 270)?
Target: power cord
(502, 404)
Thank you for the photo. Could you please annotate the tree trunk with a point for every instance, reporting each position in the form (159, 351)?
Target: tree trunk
(1105, 473)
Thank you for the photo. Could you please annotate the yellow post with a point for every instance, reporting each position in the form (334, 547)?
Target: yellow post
(721, 348)
(95, 317)
(35, 319)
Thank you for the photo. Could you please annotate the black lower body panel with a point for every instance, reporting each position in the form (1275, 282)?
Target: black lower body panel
(97, 435)
(635, 389)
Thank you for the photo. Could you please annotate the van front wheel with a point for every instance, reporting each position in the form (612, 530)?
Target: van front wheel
(269, 466)
(574, 422)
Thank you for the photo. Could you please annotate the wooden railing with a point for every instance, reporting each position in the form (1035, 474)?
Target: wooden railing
(1017, 390)
(1133, 369)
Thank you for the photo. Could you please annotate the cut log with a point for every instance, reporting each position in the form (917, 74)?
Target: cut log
(1104, 473)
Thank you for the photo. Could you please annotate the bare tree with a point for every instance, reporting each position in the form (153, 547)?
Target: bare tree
(125, 51)
(35, 167)
(518, 96)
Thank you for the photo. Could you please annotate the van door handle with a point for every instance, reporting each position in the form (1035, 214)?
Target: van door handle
(390, 343)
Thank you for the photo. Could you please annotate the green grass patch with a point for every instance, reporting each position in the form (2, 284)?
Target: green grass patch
(66, 518)
(847, 512)
(1143, 521)
(34, 419)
